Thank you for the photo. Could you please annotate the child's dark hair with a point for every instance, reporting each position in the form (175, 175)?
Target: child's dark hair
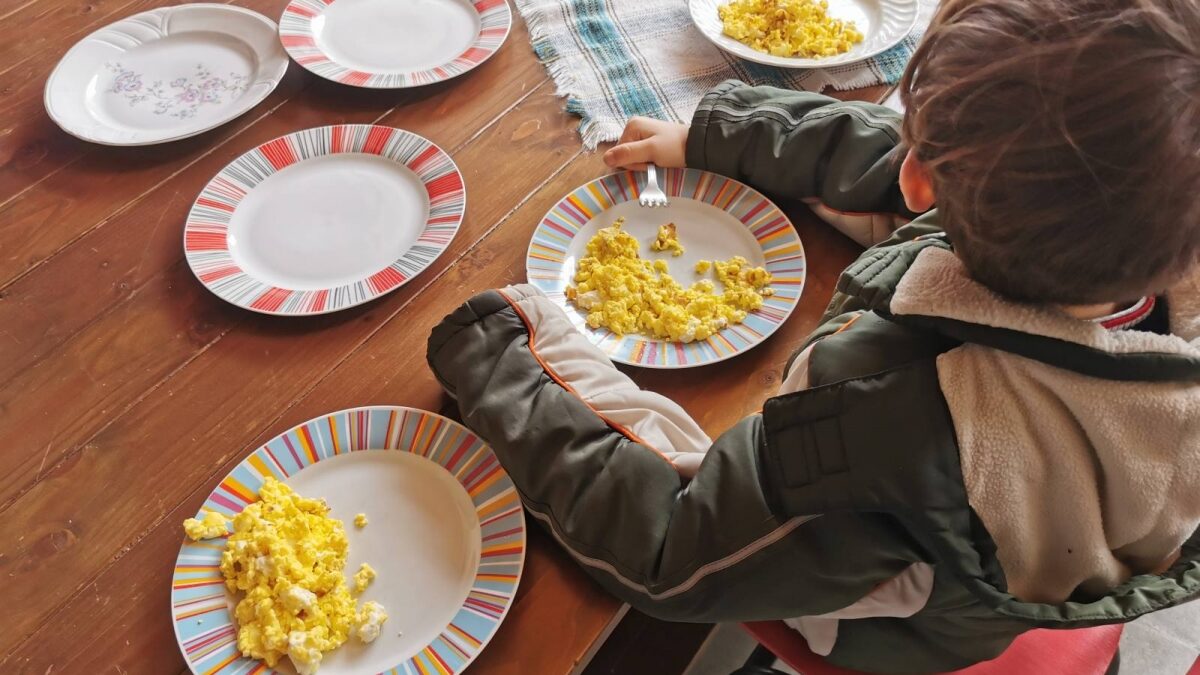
(1062, 138)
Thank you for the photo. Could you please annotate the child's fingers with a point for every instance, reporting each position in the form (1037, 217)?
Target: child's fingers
(633, 155)
(635, 130)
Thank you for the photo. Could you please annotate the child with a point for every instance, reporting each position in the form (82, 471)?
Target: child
(996, 426)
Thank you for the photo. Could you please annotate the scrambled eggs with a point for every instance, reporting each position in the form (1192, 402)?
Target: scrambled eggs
(360, 521)
(212, 526)
(794, 28)
(370, 621)
(703, 266)
(667, 240)
(363, 577)
(289, 557)
(627, 294)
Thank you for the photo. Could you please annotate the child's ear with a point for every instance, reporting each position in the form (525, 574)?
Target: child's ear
(915, 185)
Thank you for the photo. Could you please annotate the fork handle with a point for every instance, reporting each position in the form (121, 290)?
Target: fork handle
(651, 176)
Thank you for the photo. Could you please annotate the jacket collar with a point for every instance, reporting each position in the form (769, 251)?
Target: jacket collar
(922, 283)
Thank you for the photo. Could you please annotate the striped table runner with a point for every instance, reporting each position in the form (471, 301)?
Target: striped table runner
(614, 59)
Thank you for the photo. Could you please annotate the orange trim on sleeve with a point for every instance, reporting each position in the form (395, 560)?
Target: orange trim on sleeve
(627, 433)
(847, 324)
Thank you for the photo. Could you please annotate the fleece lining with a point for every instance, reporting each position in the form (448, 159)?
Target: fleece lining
(1082, 482)
(938, 285)
(651, 417)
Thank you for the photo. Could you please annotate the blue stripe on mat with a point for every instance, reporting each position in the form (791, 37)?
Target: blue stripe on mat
(598, 32)
(891, 64)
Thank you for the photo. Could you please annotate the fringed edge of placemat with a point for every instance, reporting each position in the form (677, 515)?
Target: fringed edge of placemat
(593, 131)
(884, 69)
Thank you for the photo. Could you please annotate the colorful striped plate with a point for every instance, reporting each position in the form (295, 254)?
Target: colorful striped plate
(324, 219)
(717, 218)
(446, 535)
(385, 44)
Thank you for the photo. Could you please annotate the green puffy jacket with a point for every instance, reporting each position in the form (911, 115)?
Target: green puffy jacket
(942, 470)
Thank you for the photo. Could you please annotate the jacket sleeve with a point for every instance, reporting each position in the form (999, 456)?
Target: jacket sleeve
(605, 467)
(843, 158)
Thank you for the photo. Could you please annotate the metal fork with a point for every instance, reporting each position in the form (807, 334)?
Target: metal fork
(652, 195)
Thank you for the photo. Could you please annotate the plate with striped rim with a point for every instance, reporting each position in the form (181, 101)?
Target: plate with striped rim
(717, 218)
(324, 219)
(384, 44)
(446, 534)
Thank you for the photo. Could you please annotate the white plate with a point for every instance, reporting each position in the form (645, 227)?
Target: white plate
(446, 535)
(328, 221)
(324, 219)
(717, 218)
(883, 23)
(165, 74)
(408, 499)
(391, 44)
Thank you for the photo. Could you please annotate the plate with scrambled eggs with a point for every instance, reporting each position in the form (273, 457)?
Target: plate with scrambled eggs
(363, 541)
(804, 33)
(699, 281)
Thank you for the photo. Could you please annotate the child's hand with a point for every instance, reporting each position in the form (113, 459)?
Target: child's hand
(646, 140)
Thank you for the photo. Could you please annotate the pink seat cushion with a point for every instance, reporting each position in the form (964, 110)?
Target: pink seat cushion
(1082, 651)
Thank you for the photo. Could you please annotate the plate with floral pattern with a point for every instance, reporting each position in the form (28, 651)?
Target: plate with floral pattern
(165, 74)
(384, 44)
(324, 219)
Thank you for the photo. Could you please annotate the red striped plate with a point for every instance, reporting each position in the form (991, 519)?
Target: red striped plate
(384, 44)
(324, 219)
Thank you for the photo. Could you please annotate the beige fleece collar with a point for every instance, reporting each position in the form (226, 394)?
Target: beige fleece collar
(938, 285)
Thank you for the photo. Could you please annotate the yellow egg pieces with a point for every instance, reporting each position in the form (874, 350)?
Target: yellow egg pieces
(288, 557)
(213, 525)
(624, 293)
(363, 577)
(791, 28)
(667, 240)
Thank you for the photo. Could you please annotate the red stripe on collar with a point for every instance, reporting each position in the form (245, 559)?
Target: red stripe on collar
(1127, 318)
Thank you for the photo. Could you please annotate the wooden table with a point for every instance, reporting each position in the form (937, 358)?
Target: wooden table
(127, 390)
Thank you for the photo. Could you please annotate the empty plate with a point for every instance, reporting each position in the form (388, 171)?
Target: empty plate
(883, 24)
(324, 219)
(165, 74)
(384, 44)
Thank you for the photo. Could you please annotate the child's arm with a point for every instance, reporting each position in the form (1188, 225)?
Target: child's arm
(843, 158)
(801, 145)
(604, 466)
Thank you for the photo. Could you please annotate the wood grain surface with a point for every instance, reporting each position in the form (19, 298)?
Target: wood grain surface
(127, 390)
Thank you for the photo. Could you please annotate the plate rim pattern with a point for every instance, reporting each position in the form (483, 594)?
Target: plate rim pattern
(297, 36)
(198, 590)
(205, 237)
(770, 226)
